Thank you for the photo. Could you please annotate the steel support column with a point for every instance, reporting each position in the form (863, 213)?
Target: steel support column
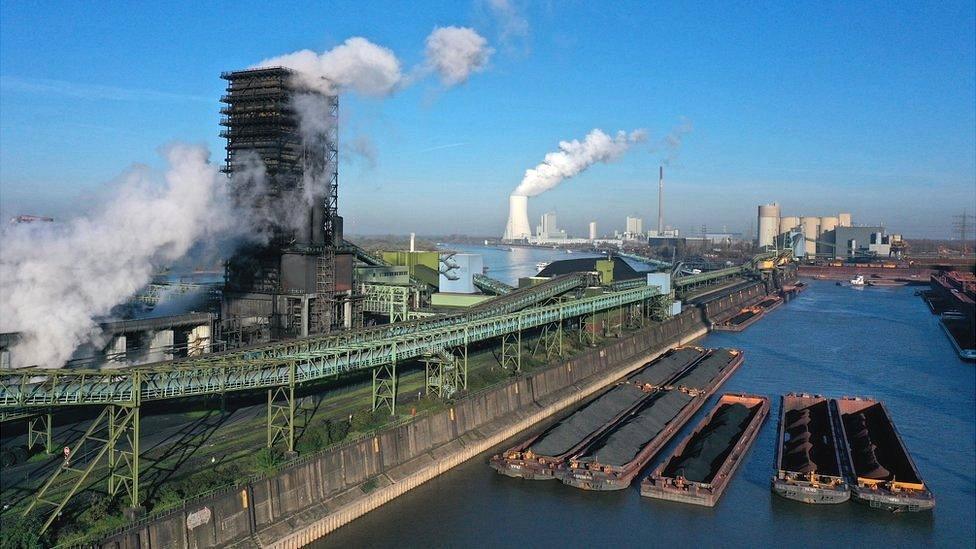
(512, 351)
(115, 431)
(587, 330)
(385, 387)
(551, 341)
(38, 430)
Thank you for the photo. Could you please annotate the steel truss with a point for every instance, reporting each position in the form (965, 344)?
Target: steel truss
(385, 387)
(115, 432)
(512, 351)
(446, 372)
(270, 366)
(39, 430)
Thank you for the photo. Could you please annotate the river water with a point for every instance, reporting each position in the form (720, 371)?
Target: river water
(830, 340)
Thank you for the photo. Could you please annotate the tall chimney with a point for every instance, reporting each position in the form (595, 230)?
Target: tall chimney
(413, 240)
(660, 203)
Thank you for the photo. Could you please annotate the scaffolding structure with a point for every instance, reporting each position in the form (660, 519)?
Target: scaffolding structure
(282, 157)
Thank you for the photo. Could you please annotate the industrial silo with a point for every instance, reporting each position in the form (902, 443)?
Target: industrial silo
(810, 226)
(768, 224)
(788, 223)
(844, 220)
(826, 235)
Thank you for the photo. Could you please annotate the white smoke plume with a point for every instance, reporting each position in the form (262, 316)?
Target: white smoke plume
(355, 65)
(670, 144)
(511, 23)
(574, 157)
(457, 52)
(55, 279)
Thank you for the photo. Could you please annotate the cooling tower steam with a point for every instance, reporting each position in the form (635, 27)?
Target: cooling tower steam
(574, 157)
(55, 279)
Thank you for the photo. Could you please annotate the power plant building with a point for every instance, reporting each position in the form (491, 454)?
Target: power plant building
(634, 226)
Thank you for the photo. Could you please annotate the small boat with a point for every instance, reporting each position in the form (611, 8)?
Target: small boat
(857, 280)
(541, 265)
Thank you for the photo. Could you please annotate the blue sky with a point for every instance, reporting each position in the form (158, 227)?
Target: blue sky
(862, 107)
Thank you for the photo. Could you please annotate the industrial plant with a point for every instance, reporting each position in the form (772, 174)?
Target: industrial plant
(828, 237)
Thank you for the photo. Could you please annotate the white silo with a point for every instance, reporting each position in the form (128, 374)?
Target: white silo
(788, 223)
(518, 218)
(592, 230)
(810, 226)
(827, 224)
(844, 220)
(768, 224)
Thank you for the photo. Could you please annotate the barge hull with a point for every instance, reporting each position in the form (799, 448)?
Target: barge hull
(609, 478)
(708, 494)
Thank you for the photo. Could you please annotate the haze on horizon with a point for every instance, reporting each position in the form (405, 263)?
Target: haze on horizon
(861, 108)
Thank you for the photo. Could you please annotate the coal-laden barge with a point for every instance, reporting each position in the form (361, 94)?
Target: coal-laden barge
(808, 456)
(738, 322)
(701, 468)
(884, 476)
(538, 457)
(611, 460)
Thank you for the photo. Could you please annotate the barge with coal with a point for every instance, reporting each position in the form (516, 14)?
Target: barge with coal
(740, 321)
(808, 456)
(538, 457)
(701, 468)
(611, 460)
(884, 476)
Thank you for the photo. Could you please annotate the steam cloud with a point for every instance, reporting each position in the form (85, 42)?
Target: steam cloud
(56, 278)
(574, 157)
(456, 52)
(356, 65)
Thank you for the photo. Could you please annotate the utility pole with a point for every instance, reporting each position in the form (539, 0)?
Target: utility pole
(961, 224)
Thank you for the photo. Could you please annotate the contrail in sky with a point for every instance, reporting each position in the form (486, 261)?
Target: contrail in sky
(439, 147)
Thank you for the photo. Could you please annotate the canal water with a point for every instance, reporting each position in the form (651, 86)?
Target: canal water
(830, 340)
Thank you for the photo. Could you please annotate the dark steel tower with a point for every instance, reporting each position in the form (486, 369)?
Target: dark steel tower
(285, 288)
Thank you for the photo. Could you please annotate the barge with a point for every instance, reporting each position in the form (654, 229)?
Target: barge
(885, 475)
(612, 460)
(808, 455)
(703, 465)
(769, 303)
(740, 321)
(538, 457)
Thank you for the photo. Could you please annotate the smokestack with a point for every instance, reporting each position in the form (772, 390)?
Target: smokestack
(660, 203)
(518, 218)
(413, 240)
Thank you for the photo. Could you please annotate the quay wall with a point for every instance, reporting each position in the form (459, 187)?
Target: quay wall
(317, 494)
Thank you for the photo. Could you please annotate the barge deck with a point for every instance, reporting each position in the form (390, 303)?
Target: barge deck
(885, 474)
(808, 462)
(538, 457)
(703, 465)
(612, 460)
(740, 321)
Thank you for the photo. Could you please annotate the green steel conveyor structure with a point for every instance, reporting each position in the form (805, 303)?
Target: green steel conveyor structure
(441, 341)
(491, 286)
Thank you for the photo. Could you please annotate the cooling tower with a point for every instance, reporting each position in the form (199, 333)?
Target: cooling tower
(768, 224)
(787, 224)
(844, 220)
(810, 233)
(518, 218)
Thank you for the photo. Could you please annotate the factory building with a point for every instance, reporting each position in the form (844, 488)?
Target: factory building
(548, 229)
(286, 288)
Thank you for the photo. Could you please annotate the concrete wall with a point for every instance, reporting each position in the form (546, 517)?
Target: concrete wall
(325, 490)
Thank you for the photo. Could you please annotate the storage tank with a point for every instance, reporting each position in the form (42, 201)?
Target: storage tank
(768, 224)
(810, 226)
(827, 225)
(844, 220)
(788, 223)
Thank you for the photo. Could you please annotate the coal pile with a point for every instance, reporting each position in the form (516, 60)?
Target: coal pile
(708, 448)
